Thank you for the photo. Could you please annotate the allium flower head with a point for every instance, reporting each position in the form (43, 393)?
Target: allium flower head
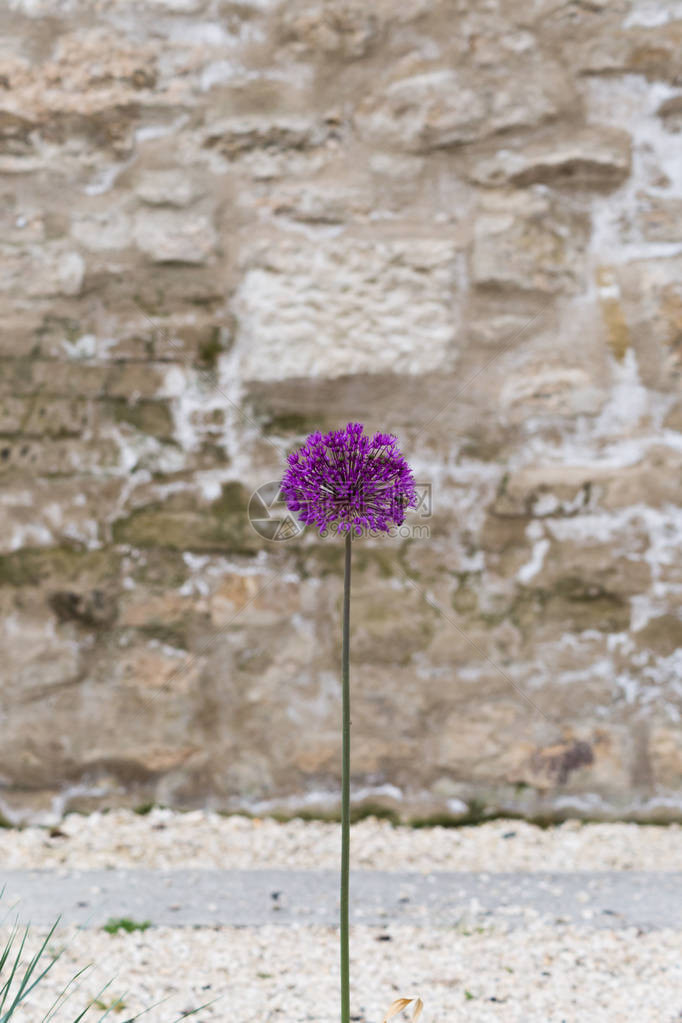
(349, 480)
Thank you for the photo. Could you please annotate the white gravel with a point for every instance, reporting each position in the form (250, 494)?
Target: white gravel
(165, 839)
(547, 974)
(480, 970)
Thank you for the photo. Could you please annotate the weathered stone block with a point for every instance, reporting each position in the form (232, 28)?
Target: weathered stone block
(52, 378)
(430, 109)
(322, 204)
(327, 310)
(136, 380)
(173, 237)
(433, 107)
(299, 405)
(35, 655)
(588, 572)
(170, 618)
(463, 734)
(21, 328)
(528, 244)
(601, 41)
(48, 568)
(655, 481)
(659, 219)
(57, 417)
(386, 635)
(595, 158)
(662, 634)
(153, 666)
(183, 523)
(342, 28)
(167, 188)
(594, 757)
(42, 272)
(147, 416)
(550, 390)
(13, 412)
(234, 136)
(102, 230)
(38, 512)
(673, 420)
(670, 112)
(92, 610)
(15, 132)
(536, 491)
(652, 301)
(31, 456)
(665, 752)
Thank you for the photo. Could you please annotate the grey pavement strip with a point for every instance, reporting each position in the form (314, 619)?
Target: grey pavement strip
(183, 898)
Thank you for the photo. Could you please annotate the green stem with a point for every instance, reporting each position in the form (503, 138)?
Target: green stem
(345, 790)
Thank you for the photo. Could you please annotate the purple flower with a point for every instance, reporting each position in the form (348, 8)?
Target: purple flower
(348, 479)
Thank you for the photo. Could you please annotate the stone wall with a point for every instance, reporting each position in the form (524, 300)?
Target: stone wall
(225, 224)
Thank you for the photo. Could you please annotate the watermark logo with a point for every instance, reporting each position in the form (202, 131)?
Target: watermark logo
(424, 506)
(269, 515)
(271, 519)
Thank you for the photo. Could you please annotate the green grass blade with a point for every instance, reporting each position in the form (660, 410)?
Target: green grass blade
(24, 990)
(4, 957)
(184, 1015)
(8, 983)
(95, 999)
(62, 995)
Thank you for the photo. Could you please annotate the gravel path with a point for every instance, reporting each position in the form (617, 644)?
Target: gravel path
(503, 922)
(547, 974)
(252, 898)
(165, 840)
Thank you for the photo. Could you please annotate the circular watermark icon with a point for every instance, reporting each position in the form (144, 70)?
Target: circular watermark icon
(269, 515)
